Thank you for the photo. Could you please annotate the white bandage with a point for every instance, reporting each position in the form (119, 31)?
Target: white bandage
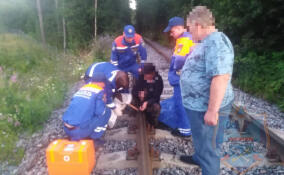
(117, 111)
(120, 105)
(112, 119)
(126, 98)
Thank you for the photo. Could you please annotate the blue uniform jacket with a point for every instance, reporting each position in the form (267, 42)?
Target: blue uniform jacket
(124, 54)
(110, 71)
(182, 49)
(86, 104)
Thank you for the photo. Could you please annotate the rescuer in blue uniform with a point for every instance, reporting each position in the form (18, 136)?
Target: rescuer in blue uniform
(87, 115)
(118, 81)
(126, 49)
(173, 113)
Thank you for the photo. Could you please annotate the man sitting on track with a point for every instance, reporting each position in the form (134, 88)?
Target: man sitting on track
(125, 49)
(147, 91)
(87, 115)
(118, 82)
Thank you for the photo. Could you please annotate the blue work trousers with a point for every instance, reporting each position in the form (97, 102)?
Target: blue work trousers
(93, 129)
(207, 139)
(173, 113)
(183, 122)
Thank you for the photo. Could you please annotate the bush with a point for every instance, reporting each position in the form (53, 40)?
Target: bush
(262, 75)
(33, 82)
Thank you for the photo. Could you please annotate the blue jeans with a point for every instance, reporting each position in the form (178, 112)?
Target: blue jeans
(208, 139)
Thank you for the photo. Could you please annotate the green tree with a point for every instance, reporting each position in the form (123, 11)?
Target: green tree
(113, 15)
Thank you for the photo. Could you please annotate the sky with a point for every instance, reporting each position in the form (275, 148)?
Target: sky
(132, 4)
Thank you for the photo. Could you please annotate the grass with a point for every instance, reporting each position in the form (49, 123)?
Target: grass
(33, 82)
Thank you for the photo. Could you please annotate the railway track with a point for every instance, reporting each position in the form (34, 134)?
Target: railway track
(132, 149)
(154, 158)
(252, 126)
(158, 153)
(142, 157)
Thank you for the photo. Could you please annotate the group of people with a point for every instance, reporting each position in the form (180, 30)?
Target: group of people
(200, 73)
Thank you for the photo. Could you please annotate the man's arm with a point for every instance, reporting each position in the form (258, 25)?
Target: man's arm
(109, 95)
(217, 91)
(114, 57)
(219, 65)
(172, 76)
(142, 51)
(138, 86)
(100, 104)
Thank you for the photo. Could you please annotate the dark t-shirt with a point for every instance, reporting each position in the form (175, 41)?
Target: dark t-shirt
(152, 90)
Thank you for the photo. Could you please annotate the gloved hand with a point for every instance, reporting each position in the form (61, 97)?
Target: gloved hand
(126, 98)
(121, 104)
(117, 111)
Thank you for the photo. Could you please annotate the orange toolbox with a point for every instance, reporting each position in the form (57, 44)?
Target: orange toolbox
(64, 157)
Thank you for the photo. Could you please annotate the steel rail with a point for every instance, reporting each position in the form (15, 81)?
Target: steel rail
(154, 46)
(145, 162)
(274, 140)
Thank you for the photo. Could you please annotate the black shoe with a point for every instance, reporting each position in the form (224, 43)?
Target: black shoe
(178, 134)
(162, 126)
(188, 160)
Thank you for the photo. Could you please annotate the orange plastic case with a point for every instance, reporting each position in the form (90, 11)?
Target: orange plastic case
(64, 157)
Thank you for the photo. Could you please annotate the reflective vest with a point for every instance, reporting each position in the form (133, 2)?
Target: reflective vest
(86, 103)
(110, 72)
(125, 54)
(182, 49)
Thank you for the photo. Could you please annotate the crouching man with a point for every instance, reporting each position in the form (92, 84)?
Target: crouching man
(147, 91)
(87, 115)
(126, 49)
(116, 84)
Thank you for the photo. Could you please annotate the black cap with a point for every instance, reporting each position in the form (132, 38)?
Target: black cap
(148, 68)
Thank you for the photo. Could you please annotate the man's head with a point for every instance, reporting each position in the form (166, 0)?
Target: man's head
(175, 27)
(129, 33)
(200, 22)
(122, 80)
(149, 71)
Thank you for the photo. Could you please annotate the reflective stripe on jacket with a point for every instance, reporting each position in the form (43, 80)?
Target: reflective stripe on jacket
(86, 103)
(125, 54)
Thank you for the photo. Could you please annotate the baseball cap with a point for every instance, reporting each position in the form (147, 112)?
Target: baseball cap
(174, 21)
(129, 31)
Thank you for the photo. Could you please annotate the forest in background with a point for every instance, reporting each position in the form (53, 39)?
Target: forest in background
(42, 41)
(74, 16)
(255, 28)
